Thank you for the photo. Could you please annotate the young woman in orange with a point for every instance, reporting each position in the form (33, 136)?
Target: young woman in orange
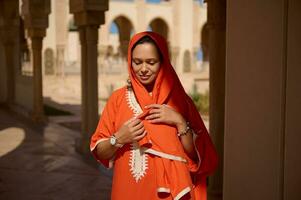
(151, 132)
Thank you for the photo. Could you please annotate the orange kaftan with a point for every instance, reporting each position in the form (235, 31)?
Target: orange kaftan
(157, 167)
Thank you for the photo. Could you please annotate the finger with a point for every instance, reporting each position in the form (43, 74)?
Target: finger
(154, 110)
(139, 137)
(152, 116)
(139, 132)
(153, 106)
(130, 120)
(138, 126)
(135, 122)
(157, 120)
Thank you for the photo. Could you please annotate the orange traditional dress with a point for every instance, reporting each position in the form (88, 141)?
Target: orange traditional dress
(156, 167)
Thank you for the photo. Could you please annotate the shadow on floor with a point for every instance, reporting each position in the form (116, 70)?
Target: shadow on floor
(39, 162)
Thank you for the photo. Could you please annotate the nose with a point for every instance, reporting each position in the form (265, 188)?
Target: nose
(144, 68)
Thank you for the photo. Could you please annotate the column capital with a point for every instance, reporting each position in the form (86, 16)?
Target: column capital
(9, 34)
(88, 12)
(88, 5)
(9, 21)
(35, 13)
(36, 32)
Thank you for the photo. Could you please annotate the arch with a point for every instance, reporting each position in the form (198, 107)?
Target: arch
(160, 26)
(125, 30)
(204, 35)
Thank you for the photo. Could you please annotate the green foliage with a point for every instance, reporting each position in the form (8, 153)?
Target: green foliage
(201, 101)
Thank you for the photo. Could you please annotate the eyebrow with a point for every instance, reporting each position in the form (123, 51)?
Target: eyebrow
(148, 59)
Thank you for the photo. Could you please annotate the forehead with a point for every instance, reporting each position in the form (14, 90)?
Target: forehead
(145, 50)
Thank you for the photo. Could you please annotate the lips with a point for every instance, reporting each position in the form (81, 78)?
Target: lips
(144, 77)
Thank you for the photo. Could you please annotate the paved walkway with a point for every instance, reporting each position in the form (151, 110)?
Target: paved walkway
(40, 163)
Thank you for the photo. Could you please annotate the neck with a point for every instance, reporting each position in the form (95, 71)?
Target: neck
(149, 87)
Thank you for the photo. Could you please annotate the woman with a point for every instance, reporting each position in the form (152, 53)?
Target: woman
(151, 131)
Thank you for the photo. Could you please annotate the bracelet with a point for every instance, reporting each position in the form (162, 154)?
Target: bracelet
(186, 130)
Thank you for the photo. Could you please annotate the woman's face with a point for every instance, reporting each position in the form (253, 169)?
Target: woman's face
(146, 63)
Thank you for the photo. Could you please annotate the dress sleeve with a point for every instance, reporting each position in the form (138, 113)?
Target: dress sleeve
(207, 155)
(105, 128)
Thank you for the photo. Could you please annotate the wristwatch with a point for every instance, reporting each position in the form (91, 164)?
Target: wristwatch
(114, 142)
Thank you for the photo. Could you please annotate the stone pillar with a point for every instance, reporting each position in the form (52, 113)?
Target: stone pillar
(175, 57)
(35, 22)
(217, 34)
(141, 22)
(60, 36)
(88, 16)
(195, 60)
(36, 46)
(9, 49)
(60, 60)
(183, 36)
(9, 34)
(102, 53)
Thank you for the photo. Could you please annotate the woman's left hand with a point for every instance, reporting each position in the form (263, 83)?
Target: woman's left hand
(164, 114)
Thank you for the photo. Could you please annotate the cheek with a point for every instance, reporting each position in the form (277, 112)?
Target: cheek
(135, 69)
(156, 70)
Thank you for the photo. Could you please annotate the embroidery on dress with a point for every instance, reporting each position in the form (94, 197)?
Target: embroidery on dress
(138, 158)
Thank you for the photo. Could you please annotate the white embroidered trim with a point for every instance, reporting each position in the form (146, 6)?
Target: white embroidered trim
(182, 193)
(132, 102)
(164, 155)
(138, 158)
(138, 162)
(162, 189)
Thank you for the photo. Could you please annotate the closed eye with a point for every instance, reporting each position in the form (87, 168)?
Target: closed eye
(137, 62)
(152, 62)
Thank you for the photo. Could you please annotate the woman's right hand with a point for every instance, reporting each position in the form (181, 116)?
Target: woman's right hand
(131, 131)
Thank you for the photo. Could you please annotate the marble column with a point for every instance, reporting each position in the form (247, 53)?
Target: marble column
(35, 22)
(88, 15)
(60, 60)
(9, 49)
(141, 22)
(175, 57)
(9, 25)
(89, 76)
(38, 110)
(217, 52)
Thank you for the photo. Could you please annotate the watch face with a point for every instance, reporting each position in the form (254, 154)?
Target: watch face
(113, 140)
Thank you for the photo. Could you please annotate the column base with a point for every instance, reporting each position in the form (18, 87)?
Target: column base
(82, 146)
(38, 118)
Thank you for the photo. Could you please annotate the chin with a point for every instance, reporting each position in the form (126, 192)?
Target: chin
(146, 82)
